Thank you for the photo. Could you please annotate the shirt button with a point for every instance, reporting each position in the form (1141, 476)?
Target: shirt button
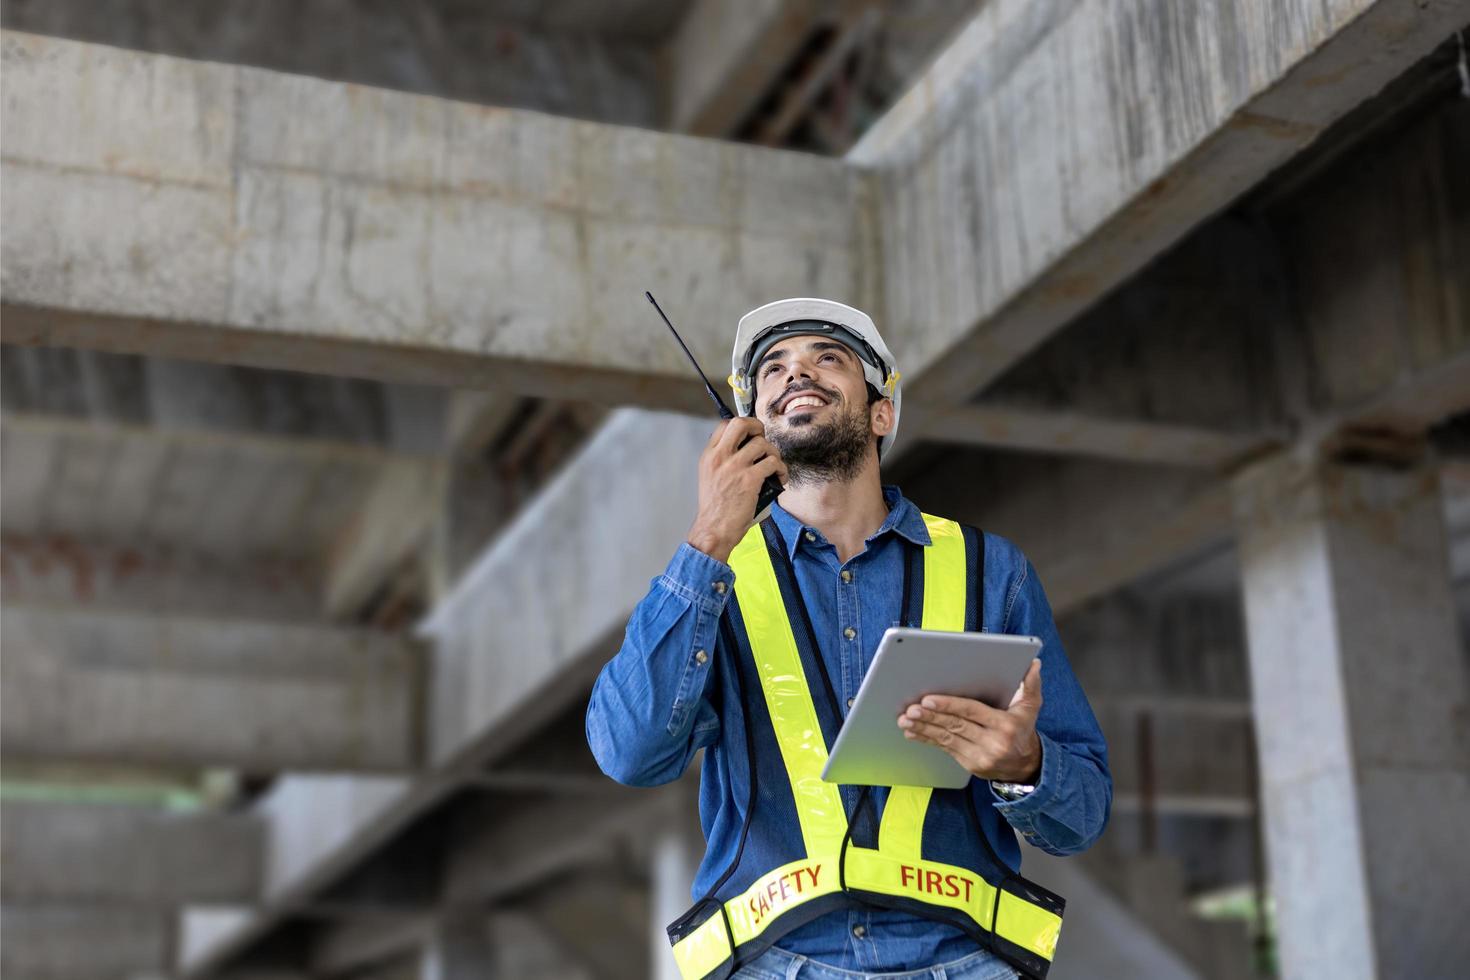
(849, 632)
(700, 657)
(810, 536)
(846, 575)
(859, 932)
(719, 587)
(849, 702)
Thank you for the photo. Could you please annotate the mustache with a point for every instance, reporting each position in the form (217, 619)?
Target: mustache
(801, 388)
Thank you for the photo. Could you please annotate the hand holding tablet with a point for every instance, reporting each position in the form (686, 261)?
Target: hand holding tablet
(989, 742)
(979, 706)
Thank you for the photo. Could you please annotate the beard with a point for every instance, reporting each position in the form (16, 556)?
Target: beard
(833, 451)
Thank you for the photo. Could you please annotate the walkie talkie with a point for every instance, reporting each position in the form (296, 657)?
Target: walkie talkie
(772, 488)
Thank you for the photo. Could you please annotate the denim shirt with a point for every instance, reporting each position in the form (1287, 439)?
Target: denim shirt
(651, 712)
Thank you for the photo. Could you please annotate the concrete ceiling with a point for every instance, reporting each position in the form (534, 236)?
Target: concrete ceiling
(140, 487)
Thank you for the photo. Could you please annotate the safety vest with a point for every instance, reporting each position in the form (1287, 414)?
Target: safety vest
(778, 669)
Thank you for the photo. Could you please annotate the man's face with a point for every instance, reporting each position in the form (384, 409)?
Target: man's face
(813, 399)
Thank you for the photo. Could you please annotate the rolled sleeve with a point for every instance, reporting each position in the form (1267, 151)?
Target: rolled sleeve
(1060, 814)
(649, 711)
(702, 580)
(1069, 809)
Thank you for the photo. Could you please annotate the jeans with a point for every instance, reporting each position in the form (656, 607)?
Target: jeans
(777, 964)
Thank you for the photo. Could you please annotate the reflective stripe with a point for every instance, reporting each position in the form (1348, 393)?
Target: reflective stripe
(703, 950)
(1018, 921)
(1029, 926)
(779, 891)
(798, 882)
(788, 697)
(902, 830)
(944, 566)
(927, 881)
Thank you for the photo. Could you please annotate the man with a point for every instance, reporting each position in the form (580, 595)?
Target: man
(752, 645)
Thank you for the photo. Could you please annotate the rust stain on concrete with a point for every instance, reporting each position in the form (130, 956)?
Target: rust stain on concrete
(1272, 126)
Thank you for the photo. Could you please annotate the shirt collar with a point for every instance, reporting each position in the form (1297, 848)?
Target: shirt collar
(903, 519)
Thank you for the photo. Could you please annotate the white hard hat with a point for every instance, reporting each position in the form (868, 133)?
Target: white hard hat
(762, 327)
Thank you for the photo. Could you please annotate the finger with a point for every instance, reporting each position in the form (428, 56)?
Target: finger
(772, 464)
(972, 757)
(943, 732)
(753, 450)
(714, 437)
(976, 711)
(1028, 696)
(737, 430)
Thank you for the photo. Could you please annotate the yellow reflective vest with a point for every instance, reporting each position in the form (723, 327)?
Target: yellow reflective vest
(837, 864)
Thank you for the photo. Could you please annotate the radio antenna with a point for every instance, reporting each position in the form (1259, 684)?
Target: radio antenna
(725, 412)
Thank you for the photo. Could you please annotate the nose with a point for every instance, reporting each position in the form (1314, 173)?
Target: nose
(801, 367)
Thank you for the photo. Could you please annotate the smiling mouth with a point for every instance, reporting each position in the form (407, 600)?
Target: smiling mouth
(802, 401)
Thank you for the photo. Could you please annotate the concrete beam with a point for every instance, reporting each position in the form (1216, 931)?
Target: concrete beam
(392, 524)
(998, 231)
(58, 942)
(263, 697)
(476, 419)
(853, 28)
(155, 392)
(62, 570)
(1088, 527)
(725, 56)
(492, 659)
(84, 853)
(1227, 806)
(351, 946)
(210, 492)
(319, 828)
(507, 846)
(1379, 248)
(569, 59)
(392, 236)
(1078, 434)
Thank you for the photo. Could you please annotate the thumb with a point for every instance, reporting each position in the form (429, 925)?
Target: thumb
(1028, 695)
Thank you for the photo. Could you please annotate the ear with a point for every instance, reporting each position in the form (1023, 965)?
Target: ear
(880, 417)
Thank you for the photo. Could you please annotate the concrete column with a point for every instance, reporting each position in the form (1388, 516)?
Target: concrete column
(1359, 684)
(459, 947)
(674, 860)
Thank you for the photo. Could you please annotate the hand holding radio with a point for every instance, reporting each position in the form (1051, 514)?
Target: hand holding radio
(725, 473)
(734, 469)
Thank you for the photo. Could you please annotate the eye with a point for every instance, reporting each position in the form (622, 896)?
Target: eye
(773, 366)
(829, 357)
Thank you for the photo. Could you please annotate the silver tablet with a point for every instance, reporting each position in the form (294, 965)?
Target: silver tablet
(871, 749)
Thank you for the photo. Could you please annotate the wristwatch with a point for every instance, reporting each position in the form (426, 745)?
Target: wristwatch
(1011, 792)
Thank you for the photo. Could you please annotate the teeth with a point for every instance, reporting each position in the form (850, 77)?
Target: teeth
(803, 401)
